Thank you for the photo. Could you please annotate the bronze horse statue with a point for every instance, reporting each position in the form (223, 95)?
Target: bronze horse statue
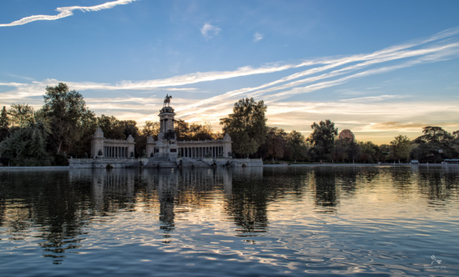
(167, 100)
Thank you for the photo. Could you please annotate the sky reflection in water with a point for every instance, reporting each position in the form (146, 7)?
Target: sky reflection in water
(244, 221)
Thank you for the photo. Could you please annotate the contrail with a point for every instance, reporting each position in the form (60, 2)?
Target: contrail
(65, 12)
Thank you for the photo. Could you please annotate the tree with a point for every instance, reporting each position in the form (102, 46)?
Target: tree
(150, 129)
(370, 152)
(201, 131)
(353, 150)
(400, 148)
(339, 150)
(28, 141)
(323, 138)
(455, 142)
(182, 129)
(296, 145)
(67, 113)
(4, 124)
(130, 128)
(246, 125)
(435, 144)
(275, 144)
(112, 127)
(434, 134)
(21, 114)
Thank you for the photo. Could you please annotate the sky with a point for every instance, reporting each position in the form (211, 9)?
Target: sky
(378, 68)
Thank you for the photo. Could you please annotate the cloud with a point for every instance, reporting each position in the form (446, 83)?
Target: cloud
(257, 37)
(65, 12)
(209, 31)
(319, 74)
(397, 125)
(332, 66)
(374, 98)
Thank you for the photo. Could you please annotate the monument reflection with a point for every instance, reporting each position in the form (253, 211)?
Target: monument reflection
(121, 189)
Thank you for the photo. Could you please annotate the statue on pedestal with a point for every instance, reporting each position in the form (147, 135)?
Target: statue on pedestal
(167, 100)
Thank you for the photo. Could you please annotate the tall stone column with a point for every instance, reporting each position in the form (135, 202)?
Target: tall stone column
(97, 142)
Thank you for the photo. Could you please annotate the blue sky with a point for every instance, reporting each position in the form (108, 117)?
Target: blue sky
(379, 68)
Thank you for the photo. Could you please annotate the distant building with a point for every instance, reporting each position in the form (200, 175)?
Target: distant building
(346, 134)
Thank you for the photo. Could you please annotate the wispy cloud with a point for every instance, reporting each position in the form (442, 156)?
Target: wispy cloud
(209, 31)
(257, 36)
(319, 74)
(405, 51)
(66, 11)
(374, 98)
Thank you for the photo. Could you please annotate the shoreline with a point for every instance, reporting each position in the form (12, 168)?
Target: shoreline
(359, 164)
(34, 168)
(61, 168)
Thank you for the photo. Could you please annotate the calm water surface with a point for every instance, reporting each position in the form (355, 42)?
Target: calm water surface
(384, 221)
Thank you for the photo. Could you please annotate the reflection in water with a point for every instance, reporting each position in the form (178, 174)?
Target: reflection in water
(293, 219)
(55, 210)
(248, 200)
(326, 192)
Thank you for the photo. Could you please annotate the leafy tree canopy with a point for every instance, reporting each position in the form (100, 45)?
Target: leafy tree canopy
(67, 114)
(246, 125)
(323, 138)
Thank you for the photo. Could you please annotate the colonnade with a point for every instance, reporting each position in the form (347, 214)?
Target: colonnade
(116, 152)
(201, 152)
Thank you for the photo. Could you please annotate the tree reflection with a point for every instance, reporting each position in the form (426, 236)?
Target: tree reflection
(347, 178)
(402, 179)
(325, 185)
(438, 183)
(47, 200)
(247, 204)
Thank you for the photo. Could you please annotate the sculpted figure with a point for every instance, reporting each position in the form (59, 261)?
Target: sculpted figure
(167, 100)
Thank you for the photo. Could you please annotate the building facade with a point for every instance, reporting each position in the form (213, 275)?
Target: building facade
(102, 147)
(166, 147)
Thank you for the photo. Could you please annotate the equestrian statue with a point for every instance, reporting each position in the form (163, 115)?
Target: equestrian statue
(167, 100)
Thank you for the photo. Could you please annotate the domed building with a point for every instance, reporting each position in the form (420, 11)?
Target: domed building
(346, 134)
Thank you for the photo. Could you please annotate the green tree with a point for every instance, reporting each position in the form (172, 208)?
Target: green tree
(353, 150)
(21, 114)
(296, 145)
(275, 144)
(201, 131)
(400, 148)
(67, 114)
(246, 126)
(435, 144)
(4, 124)
(130, 128)
(370, 152)
(339, 150)
(150, 129)
(182, 129)
(323, 139)
(434, 134)
(112, 127)
(28, 141)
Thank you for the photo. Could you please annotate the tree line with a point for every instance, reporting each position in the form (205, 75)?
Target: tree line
(253, 138)
(63, 128)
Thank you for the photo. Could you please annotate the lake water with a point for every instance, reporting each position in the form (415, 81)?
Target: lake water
(384, 221)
